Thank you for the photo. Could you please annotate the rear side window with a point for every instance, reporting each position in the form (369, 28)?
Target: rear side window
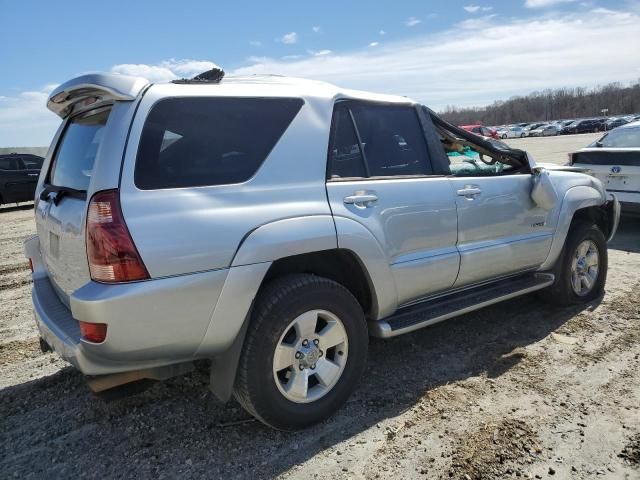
(345, 157)
(393, 139)
(193, 142)
(385, 141)
(8, 164)
(73, 162)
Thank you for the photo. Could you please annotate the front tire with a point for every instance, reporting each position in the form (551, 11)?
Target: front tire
(305, 351)
(581, 270)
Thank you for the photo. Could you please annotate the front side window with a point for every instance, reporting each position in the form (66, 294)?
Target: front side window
(192, 142)
(32, 163)
(73, 162)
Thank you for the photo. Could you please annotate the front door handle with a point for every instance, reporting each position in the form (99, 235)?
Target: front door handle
(469, 191)
(361, 200)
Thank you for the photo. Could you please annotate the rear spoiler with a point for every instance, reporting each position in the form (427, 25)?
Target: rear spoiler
(510, 156)
(93, 90)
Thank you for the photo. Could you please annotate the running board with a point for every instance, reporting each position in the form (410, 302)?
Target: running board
(427, 313)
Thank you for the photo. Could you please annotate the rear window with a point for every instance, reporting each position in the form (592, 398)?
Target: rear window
(193, 142)
(628, 137)
(73, 162)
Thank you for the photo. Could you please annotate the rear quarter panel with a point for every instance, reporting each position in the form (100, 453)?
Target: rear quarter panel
(183, 230)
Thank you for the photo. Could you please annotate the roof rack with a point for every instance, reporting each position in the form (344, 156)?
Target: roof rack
(214, 75)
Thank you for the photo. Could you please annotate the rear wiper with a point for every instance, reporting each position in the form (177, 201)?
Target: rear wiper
(60, 193)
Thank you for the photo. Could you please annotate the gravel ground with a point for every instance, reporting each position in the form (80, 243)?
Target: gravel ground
(517, 390)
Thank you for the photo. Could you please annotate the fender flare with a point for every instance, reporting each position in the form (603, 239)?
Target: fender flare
(575, 198)
(287, 237)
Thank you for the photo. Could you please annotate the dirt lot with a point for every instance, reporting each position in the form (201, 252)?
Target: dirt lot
(518, 390)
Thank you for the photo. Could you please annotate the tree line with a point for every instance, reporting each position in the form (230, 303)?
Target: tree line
(556, 104)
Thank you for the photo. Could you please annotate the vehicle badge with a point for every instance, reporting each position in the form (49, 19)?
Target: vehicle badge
(616, 169)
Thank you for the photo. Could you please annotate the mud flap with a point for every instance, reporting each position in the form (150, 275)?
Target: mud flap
(225, 365)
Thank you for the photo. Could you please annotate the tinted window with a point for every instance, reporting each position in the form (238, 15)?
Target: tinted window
(190, 142)
(8, 164)
(345, 157)
(73, 163)
(32, 163)
(620, 138)
(393, 140)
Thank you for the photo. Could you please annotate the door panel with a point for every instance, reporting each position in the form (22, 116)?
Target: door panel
(414, 220)
(500, 229)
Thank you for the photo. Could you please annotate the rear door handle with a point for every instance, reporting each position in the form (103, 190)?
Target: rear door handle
(33, 174)
(361, 200)
(469, 191)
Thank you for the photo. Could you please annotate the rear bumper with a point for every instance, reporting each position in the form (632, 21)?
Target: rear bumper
(149, 324)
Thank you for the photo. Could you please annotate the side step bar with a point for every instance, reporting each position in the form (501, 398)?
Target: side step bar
(427, 313)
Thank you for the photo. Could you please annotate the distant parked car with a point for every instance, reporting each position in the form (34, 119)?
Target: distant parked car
(511, 132)
(532, 126)
(614, 159)
(587, 125)
(18, 177)
(547, 130)
(481, 130)
(615, 122)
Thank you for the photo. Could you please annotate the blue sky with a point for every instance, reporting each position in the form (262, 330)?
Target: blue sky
(440, 52)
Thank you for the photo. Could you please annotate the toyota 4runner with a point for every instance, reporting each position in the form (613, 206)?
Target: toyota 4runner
(268, 225)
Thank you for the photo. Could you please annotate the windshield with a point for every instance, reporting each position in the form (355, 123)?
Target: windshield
(620, 138)
(76, 153)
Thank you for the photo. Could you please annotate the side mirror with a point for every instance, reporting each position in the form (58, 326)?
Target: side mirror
(543, 193)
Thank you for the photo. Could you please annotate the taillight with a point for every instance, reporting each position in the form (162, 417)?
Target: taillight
(93, 332)
(31, 265)
(112, 255)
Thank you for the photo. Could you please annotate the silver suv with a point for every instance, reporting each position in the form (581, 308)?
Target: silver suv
(269, 225)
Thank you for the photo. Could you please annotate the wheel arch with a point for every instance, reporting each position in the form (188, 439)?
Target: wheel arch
(340, 265)
(580, 203)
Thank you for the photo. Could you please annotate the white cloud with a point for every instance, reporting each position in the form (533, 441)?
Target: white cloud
(412, 21)
(374, 44)
(166, 71)
(255, 43)
(316, 29)
(25, 120)
(382, 32)
(477, 8)
(155, 73)
(476, 23)
(544, 3)
(319, 53)
(497, 61)
(492, 60)
(289, 38)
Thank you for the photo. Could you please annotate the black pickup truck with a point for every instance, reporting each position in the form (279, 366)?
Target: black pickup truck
(18, 177)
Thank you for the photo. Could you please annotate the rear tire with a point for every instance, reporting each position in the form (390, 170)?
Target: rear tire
(581, 270)
(290, 374)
